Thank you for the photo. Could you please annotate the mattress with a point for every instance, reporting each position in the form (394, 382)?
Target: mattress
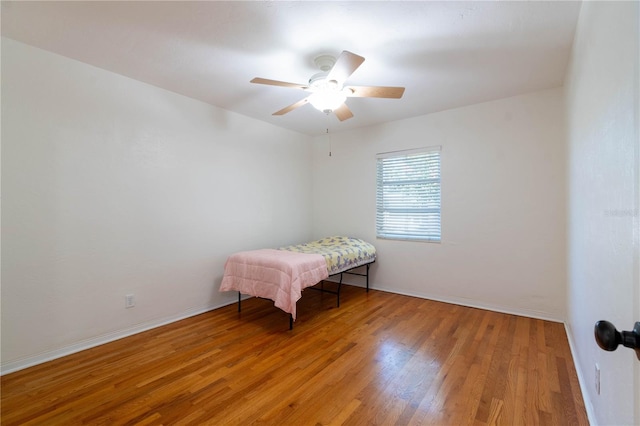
(341, 253)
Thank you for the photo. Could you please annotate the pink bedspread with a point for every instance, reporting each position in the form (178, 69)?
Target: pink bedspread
(278, 275)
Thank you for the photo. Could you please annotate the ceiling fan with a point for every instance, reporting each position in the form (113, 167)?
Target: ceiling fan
(328, 92)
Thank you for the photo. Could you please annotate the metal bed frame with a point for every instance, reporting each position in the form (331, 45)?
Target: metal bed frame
(324, 290)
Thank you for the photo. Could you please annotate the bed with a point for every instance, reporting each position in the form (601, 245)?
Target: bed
(281, 274)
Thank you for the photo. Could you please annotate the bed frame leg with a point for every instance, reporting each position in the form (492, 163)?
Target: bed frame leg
(368, 277)
(239, 300)
(290, 322)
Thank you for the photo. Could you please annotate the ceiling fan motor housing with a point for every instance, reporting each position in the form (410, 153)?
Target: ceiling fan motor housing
(325, 62)
(319, 81)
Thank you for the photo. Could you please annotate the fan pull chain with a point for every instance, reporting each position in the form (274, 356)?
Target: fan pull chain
(328, 136)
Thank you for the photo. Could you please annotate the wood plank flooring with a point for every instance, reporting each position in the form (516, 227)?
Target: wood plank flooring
(380, 358)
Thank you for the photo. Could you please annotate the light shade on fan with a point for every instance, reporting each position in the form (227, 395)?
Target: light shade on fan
(327, 100)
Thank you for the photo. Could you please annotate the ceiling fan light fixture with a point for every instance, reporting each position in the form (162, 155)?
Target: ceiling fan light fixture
(327, 95)
(327, 100)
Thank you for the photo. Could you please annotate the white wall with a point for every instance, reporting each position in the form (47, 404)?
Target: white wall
(603, 114)
(111, 186)
(503, 204)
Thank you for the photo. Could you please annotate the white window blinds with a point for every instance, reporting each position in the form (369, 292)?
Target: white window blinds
(408, 195)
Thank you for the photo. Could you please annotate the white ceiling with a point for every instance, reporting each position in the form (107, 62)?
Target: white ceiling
(447, 54)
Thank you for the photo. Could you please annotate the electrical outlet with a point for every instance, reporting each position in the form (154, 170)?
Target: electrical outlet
(597, 379)
(129, 301)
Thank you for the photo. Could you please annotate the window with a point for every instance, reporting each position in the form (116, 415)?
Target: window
(408, 195)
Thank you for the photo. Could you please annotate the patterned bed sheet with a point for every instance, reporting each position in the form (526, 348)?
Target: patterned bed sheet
(340, 253)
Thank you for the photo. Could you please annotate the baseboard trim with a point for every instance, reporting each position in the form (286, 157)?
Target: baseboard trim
(581, 379)
(529, 313)
(21, 364)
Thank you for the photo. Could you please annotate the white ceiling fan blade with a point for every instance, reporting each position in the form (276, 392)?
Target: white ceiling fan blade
(345, 65)
(343, 112)
(291, 107)
(374, 92)
(268, 82)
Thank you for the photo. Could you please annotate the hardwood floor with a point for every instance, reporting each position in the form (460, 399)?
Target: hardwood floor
(380, 358)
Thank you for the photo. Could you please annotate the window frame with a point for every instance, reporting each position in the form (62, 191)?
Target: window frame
(427, 221)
